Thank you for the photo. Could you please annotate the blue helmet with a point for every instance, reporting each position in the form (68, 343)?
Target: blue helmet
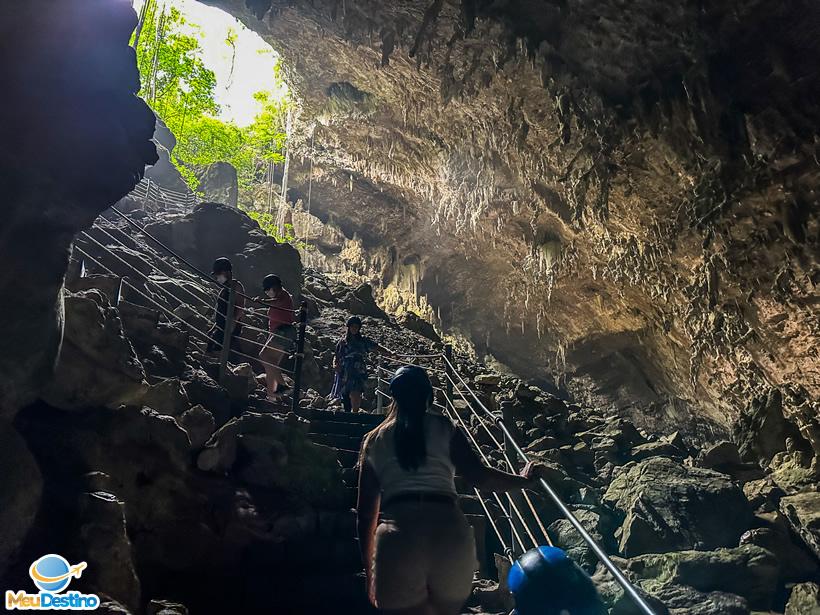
(545, 581)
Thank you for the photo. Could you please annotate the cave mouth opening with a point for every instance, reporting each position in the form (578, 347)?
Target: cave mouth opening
(219, 89)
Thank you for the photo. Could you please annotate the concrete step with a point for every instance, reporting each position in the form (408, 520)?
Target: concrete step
(362, 418)
(348, 458)
(339, 427)
(337, 441)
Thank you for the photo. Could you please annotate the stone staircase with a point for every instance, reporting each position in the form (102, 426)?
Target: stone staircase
(330, 560)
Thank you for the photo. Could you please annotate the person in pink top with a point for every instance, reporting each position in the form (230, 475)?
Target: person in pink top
(282, 333)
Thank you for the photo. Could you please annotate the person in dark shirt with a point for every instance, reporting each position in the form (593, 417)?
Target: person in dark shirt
(223, 272)
(350, 363)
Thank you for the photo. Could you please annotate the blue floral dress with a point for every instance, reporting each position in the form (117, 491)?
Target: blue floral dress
(351, 354)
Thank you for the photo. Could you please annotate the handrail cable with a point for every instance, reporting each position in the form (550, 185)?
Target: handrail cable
(199, 271)
(593, 544)
(500, 447)
(191, 293)
(198, 299)
(164, 309)
(142, 230)
(508, 552)
(195, 278)
(509, 497)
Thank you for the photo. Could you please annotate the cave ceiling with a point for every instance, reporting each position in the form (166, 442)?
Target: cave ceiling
(620, 195)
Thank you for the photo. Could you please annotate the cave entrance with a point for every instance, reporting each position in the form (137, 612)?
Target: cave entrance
(219, 89)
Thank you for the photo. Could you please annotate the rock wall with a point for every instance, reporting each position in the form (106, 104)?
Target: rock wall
(75, 139)
(620, 197)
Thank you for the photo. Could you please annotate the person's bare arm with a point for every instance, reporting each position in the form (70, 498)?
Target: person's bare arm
(474, 471)
(367, 512)
(239, 302)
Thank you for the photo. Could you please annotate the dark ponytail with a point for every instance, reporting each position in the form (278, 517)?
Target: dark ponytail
(411, 447)
(412, 394)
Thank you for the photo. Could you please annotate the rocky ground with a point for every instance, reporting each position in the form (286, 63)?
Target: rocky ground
(179, 491)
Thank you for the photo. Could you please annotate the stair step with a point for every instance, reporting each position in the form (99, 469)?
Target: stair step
(263, 405)
(350, 476)
(362, 418)
(339, 427)
(336, 440)
(348, 458)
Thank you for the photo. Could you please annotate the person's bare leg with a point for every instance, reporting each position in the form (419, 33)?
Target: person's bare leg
(270, 377)
(355, 401)
(271, 358)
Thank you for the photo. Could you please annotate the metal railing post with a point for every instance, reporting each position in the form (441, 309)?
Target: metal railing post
(119, 291)
(300, 355)
(379, 399)
(226, 336)
(448, 361)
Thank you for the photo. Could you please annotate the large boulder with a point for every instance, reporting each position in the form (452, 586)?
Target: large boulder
(803, 513)
(164, 172)
(804, 600)
(796, 561)
(98, 365)
(167, 397)
(761, 429)
(565, 536)
(360, 301)
(413, 322)
(219, 183)
(668, 506)
(103, 541)
(203, 390)
(199, 424)
(747, 571)
(275, 452)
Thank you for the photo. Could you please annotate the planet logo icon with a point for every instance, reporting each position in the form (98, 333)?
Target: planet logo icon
(53, 573)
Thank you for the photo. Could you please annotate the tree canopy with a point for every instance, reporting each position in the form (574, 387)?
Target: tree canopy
(180, 88)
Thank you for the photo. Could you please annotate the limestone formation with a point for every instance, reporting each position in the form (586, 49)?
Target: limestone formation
(577, 189)
(669, 506)
(804, 600)
(803, 513)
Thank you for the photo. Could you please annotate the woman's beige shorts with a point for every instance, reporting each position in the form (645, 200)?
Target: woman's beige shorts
(423, 551)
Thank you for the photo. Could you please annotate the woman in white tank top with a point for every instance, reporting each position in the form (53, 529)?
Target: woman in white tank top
(420, 556)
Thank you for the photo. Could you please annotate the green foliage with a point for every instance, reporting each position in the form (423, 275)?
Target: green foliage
(181, 90)
(268, 224)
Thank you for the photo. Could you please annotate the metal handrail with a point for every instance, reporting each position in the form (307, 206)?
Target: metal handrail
(602, 556)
